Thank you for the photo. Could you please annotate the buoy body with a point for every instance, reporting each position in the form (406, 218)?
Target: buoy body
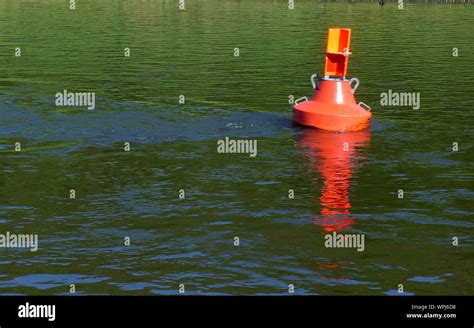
(333, 108)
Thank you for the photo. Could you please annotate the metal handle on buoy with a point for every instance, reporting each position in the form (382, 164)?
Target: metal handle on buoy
(366, 106)
(312, 80)
(296, 101)
(356, 85)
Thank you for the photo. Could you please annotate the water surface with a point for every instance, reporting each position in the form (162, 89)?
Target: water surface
(173, 146)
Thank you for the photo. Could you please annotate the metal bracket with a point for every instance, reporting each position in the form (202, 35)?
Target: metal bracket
(367, 107)
(297, 100)
(313, 82)
(356, 85)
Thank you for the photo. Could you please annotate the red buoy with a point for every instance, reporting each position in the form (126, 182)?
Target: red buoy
(333, 106)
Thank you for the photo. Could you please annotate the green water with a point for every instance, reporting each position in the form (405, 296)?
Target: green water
(190, 241)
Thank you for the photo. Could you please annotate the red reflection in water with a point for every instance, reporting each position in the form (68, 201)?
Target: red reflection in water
(328, 266)
(335, 279)
(333, 156)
